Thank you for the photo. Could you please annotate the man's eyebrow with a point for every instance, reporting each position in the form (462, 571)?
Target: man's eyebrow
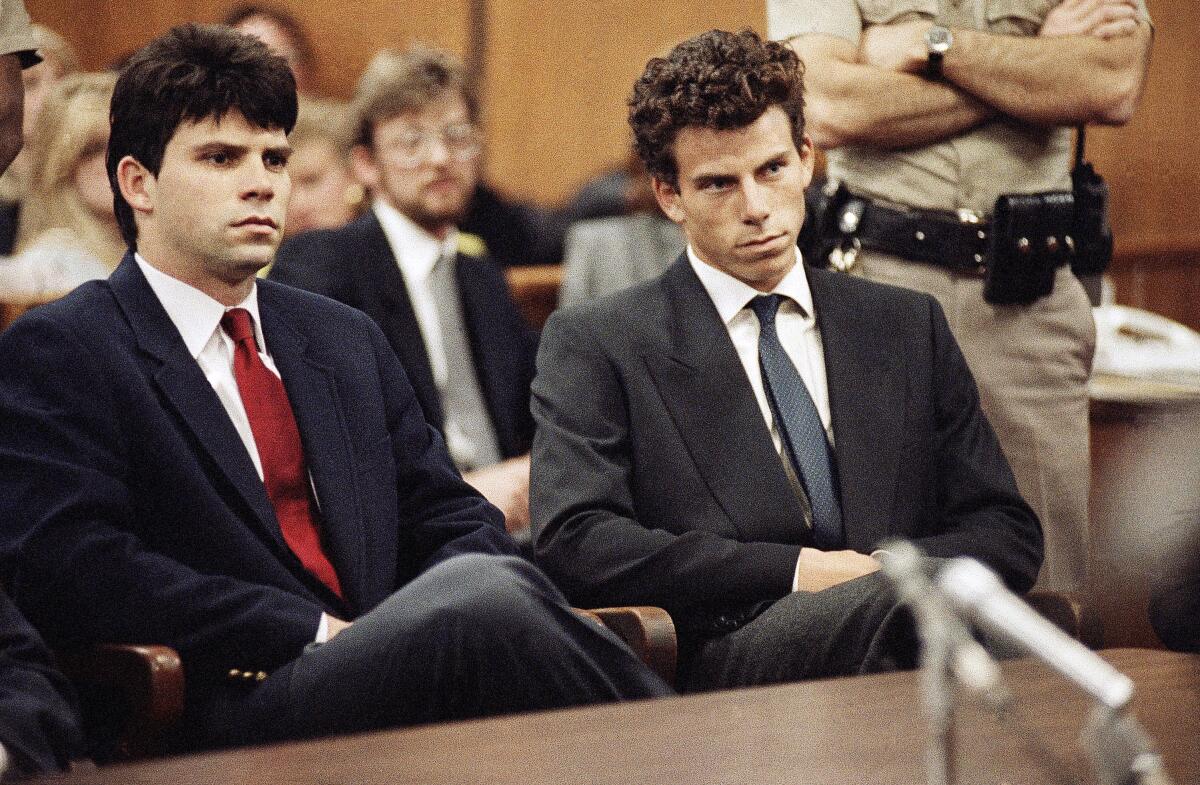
(780, 155)
(214, 145)
(703, 178)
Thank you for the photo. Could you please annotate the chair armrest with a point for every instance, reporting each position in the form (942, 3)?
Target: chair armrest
(1070, 614)
(147, 683)
(647, 630)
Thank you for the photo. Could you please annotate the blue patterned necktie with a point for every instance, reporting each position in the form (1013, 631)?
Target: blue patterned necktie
(800, 425)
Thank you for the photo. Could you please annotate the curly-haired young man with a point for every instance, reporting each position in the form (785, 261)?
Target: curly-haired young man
(735, 438)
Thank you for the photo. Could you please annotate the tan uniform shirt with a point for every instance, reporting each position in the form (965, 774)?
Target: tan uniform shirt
(15, 36)
(1003, 155)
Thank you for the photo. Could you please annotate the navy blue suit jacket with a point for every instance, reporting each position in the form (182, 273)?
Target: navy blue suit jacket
(354, 264)
(39, 719)
(131, 511)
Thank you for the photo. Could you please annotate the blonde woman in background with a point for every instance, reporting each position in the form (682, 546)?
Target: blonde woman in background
(325, 194)
(67, 233)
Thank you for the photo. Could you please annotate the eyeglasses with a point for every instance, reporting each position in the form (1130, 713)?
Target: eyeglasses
(413, 145)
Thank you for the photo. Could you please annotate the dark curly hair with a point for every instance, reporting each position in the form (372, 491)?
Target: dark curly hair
(718, 80)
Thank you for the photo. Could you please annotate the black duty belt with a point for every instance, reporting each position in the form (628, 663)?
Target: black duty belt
(957, 241)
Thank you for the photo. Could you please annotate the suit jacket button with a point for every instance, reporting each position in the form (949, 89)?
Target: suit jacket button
(233, 674)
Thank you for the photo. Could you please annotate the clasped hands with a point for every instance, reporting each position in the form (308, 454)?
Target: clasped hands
(901, 47)
(818, 570)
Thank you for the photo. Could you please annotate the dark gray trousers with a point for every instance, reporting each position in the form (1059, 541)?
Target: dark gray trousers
(852, 628)
(473, 636)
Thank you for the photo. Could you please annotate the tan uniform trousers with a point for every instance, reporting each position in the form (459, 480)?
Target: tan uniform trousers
(1031, 364)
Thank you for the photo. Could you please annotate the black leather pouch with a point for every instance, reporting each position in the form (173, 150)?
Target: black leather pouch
(1029, 241)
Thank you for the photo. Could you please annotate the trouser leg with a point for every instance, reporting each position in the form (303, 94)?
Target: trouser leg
(1031, 363)
(472, 636)
(854, 627)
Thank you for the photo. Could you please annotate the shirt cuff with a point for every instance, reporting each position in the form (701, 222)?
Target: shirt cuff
(322, 630)
(796, 576)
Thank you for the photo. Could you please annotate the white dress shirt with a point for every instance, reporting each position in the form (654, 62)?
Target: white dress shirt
(416, 252)
(197, 317)
(796, 325)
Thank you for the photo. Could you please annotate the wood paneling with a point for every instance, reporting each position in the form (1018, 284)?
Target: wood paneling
(1161, 276)
(559, 74)
(345, 36)
(1151, 163)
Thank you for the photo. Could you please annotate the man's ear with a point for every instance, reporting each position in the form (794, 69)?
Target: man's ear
(667, 197)
(363, 166)
(137, 183)
(808, 158)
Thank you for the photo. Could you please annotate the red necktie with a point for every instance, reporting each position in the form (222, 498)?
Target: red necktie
(279, 448)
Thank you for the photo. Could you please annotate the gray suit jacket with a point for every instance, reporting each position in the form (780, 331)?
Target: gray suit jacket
(655, 480)
(607, 255)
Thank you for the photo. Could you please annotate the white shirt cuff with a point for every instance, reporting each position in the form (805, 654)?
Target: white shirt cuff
(322, 629)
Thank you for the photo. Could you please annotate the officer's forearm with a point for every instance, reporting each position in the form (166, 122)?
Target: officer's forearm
(848, 103)
(1052, 81)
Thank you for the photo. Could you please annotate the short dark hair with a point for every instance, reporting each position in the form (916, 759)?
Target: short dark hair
(717, 80)
(192, 73)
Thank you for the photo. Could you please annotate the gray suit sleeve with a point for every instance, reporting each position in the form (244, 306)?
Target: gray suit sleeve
(588, 533)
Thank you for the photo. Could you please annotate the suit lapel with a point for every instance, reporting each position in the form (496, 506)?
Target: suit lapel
(398, 319)
(188, 392)
(312, 391)
(865, 374)
(704, 387)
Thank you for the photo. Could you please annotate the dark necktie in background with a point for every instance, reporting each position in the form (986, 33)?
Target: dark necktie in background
(800, 425)
(279, 448)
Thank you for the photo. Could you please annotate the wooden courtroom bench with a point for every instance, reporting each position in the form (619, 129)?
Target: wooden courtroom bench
(849, 731)
(535, 290)
(133, 695)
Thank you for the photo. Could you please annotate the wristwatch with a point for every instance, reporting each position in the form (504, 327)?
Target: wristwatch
(938, 41)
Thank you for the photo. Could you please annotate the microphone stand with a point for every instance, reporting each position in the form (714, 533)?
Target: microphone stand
(949, 657)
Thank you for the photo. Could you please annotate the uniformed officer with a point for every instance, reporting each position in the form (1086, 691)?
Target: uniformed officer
(931, 110)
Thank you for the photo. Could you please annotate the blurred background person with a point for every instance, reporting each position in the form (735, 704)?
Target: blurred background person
(440, 299)
(67, 233)
(325, 194)
(284, 35)
(605, 255)
(58, 60)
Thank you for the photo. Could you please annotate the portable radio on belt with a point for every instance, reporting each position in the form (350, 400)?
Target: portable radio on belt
(1093, 235)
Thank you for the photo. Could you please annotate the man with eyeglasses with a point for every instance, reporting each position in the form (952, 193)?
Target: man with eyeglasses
(441, 301)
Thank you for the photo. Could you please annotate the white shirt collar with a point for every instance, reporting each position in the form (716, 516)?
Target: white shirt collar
(415, 249)
(195, 315)
(730, 295)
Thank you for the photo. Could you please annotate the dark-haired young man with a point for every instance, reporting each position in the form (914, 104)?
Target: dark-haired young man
(240, 470)
(734, 439)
